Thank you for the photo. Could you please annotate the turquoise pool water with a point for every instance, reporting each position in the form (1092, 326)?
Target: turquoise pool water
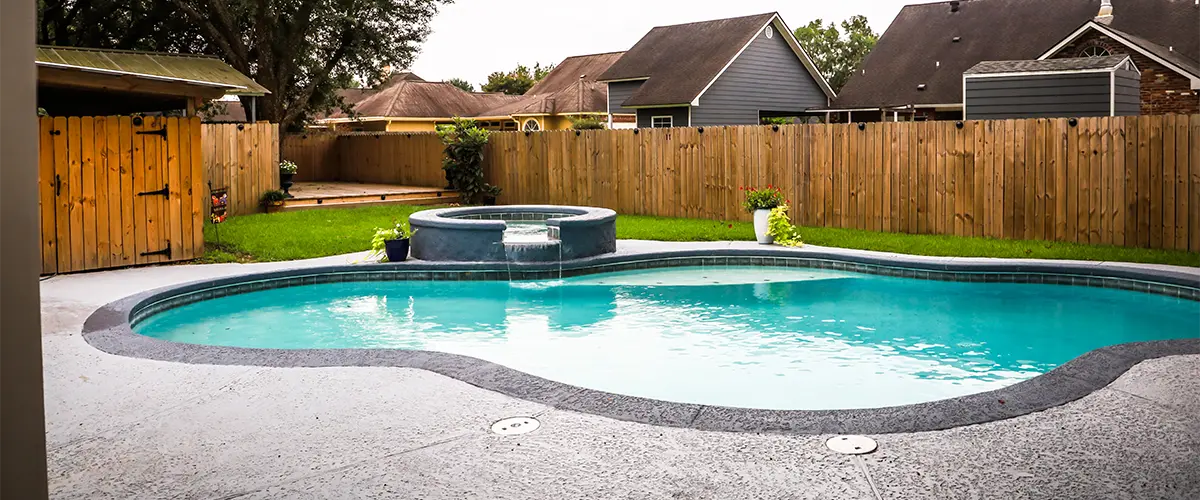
(779, 338)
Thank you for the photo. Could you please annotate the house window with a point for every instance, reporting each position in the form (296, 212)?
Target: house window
(531, 125)
(662, 122)
(1094, 51)
(769, 32)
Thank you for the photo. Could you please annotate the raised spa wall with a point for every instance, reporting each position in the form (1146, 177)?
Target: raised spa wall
(476, 234)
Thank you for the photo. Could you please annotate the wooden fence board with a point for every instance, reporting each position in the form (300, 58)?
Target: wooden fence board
(1183, 204)
(100, 171)
(47, 202)
(1194, 185)
(1155, 190)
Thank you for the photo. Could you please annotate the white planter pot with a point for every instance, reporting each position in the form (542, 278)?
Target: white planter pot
(761, 228)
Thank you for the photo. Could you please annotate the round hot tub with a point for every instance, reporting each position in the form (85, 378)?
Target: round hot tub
(516, 233)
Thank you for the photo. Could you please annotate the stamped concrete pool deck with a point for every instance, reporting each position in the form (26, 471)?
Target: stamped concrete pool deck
(121, 427)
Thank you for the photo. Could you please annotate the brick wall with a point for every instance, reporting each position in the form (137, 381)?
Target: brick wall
(1163, 90)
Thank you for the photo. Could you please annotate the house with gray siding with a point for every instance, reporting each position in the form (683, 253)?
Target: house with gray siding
(1087, 86)
(725, 72)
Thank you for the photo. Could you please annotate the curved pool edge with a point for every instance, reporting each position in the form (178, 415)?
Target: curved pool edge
(109, 330)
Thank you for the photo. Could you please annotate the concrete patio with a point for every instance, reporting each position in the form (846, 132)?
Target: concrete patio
(131, 428)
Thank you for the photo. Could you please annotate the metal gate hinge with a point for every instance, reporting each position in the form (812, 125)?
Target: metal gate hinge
(165, 192)
(166, 252)
(162, 132)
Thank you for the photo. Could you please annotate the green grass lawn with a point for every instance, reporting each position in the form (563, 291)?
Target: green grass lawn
(320, 233)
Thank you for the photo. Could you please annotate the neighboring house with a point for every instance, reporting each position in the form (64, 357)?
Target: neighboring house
(725, 72)
(407, 103)
(77, 81)
(569, 91)
(916, 70)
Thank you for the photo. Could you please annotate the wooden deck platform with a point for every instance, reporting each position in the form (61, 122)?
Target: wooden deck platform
(310, 195)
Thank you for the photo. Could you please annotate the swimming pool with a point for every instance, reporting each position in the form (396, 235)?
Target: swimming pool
(749, 337)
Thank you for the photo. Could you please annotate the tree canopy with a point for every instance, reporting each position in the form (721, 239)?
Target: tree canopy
(837, 53)
(302, 51)
(517, 81)
(462, 84)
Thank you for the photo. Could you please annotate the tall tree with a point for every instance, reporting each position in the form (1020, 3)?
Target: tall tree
(837, 53)
(300, 50)
(462, 84)
(517, 81)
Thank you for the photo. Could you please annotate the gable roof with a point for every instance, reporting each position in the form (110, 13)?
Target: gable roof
(1167, 56)
(421, 99)
(354, 95)
(918, 47)
(678, 63)
(570, 87)
(199, 70)
(569, 71)
(1048, 65)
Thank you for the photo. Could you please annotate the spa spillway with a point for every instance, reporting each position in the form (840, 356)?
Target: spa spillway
(517, 233)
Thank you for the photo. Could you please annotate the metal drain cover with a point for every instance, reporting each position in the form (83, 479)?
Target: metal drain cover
(515, 425)
(851, 445)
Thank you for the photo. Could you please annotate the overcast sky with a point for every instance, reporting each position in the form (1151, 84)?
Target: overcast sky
(472, 38)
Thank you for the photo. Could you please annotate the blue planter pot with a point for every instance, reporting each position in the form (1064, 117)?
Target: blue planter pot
(396, 250)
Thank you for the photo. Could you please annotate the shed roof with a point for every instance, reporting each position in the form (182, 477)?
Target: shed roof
(183, 68)
(1047, 65)
(918, 47)
(679, 61)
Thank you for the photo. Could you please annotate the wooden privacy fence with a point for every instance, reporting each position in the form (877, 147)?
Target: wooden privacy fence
(402, 158)
(119, 191)
(316, 153)
(1129, 181)
(243, 158)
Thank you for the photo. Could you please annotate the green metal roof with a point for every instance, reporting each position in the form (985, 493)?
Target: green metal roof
(192, 69)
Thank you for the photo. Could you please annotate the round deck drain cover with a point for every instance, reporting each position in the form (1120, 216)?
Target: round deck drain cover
(851, 445)
(515, 425)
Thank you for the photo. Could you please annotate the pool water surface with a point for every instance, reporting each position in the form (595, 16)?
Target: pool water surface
(752, 337)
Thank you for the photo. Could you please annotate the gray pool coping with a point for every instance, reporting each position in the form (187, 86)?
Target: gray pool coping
(109, 330)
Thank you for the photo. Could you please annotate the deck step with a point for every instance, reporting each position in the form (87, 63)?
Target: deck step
(370, 201)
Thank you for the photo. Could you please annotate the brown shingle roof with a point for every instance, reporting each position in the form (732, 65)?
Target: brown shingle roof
(918, 49)
(563, 91)
(421, 99)
(681, 60)
(1166, 53)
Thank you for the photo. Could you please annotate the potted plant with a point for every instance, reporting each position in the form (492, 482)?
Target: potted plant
(273, 200)
(391, 245)
(287, 170)
(760, 202)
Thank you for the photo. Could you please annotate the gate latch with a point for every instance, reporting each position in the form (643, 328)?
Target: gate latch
(162, 132)
(165, 192)
(166, 252)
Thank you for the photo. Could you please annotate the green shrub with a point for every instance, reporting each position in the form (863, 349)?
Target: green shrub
(779, 120)
(762, 199)
(587, 123)
(272, 197)
(463, 160)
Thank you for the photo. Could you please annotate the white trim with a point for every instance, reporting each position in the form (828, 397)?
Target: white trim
(668, 117)
(653, 106)
(1112, 94)
(535, 122)
(608, 105)
(1194, 78)
(90, 69)
(619, 80)
(1037, 73)
(964, 96)
(788, 37)
(689, 116)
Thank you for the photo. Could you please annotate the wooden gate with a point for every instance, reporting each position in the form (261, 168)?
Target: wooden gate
(119, 191)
